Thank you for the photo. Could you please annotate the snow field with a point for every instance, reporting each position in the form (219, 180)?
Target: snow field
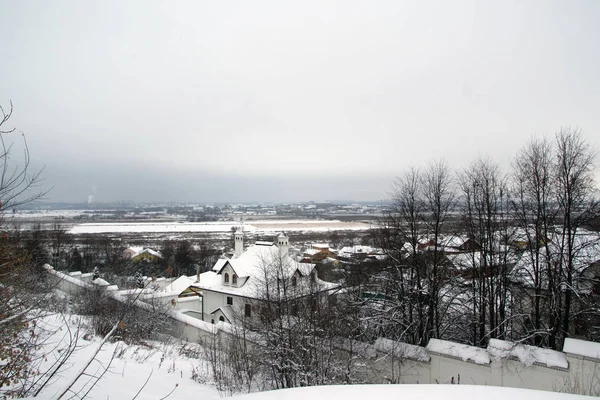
(219, 227)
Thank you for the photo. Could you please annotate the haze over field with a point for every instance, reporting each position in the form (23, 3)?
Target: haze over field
(274, 101)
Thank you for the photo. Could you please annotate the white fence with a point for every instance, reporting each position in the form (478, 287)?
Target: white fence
(387, 361)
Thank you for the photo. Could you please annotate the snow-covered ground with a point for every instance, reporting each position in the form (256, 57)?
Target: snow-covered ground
(409, 392)
(219, 227)
(176, 370)
(155, 370)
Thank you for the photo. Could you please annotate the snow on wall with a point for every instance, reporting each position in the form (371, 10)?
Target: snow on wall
(461, 351)
(402, 350)
(582, 348)
(528, 355)
(362, 349)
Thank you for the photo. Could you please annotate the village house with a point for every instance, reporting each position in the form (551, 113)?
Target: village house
(231, 289)
(139, 253)
(360, 253)
(318, 252)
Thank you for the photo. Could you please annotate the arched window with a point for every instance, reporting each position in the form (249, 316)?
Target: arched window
(234, 279)
(226, 277)
(222, 319)
(294, 281)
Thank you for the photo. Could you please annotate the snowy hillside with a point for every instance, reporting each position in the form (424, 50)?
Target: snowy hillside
(155, 370)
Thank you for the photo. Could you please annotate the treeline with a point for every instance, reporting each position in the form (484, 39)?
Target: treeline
(528, 270)
(105, 254)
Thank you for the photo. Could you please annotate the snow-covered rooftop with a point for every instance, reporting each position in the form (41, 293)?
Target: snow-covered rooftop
(180, 284)
(261, 255)
(254, 262)
(311, 251)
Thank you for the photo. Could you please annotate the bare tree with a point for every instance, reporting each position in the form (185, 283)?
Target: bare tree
(59, 240)
(484, 214)
(533, 206)
(577, 202)
(411, 235)
(439, 199)
(400, 234)
(22, 289)
(16, 179)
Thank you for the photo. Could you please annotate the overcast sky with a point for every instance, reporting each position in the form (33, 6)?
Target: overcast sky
(282, 101)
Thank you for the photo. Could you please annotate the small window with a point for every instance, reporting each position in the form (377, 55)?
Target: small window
(248, 310)
(222, 319)
(234, 279)
(229, 300)
(212, 321)
(226, 277)
(294, 281)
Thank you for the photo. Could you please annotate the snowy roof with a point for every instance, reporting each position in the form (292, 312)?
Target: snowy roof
(587, 253)
(180, 284)
(461, 351)
(453, 241)
(359, 249)
(261, 255)
(402, 350)
(252, 264)
(137, 250)
(152, 252)
(582, 348)
(100, 282)
(263, 243)
(528, 355)
(465, 260)
(219, 264)
(227, 311)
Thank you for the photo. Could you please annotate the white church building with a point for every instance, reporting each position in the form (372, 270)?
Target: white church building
(231, 288)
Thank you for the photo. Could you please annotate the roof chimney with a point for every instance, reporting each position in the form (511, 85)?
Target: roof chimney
(239, 242)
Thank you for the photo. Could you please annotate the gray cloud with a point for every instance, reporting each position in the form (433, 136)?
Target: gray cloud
(271, 100)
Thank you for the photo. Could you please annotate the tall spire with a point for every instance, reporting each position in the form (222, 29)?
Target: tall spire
(283, 242)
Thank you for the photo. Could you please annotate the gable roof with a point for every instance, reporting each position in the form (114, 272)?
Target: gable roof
(227, 312)
(259, 256)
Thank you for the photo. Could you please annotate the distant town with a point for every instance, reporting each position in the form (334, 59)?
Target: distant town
(203, 212)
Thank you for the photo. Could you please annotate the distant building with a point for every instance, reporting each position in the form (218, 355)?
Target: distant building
(360, 253)
(139, 253)
(318, 252)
